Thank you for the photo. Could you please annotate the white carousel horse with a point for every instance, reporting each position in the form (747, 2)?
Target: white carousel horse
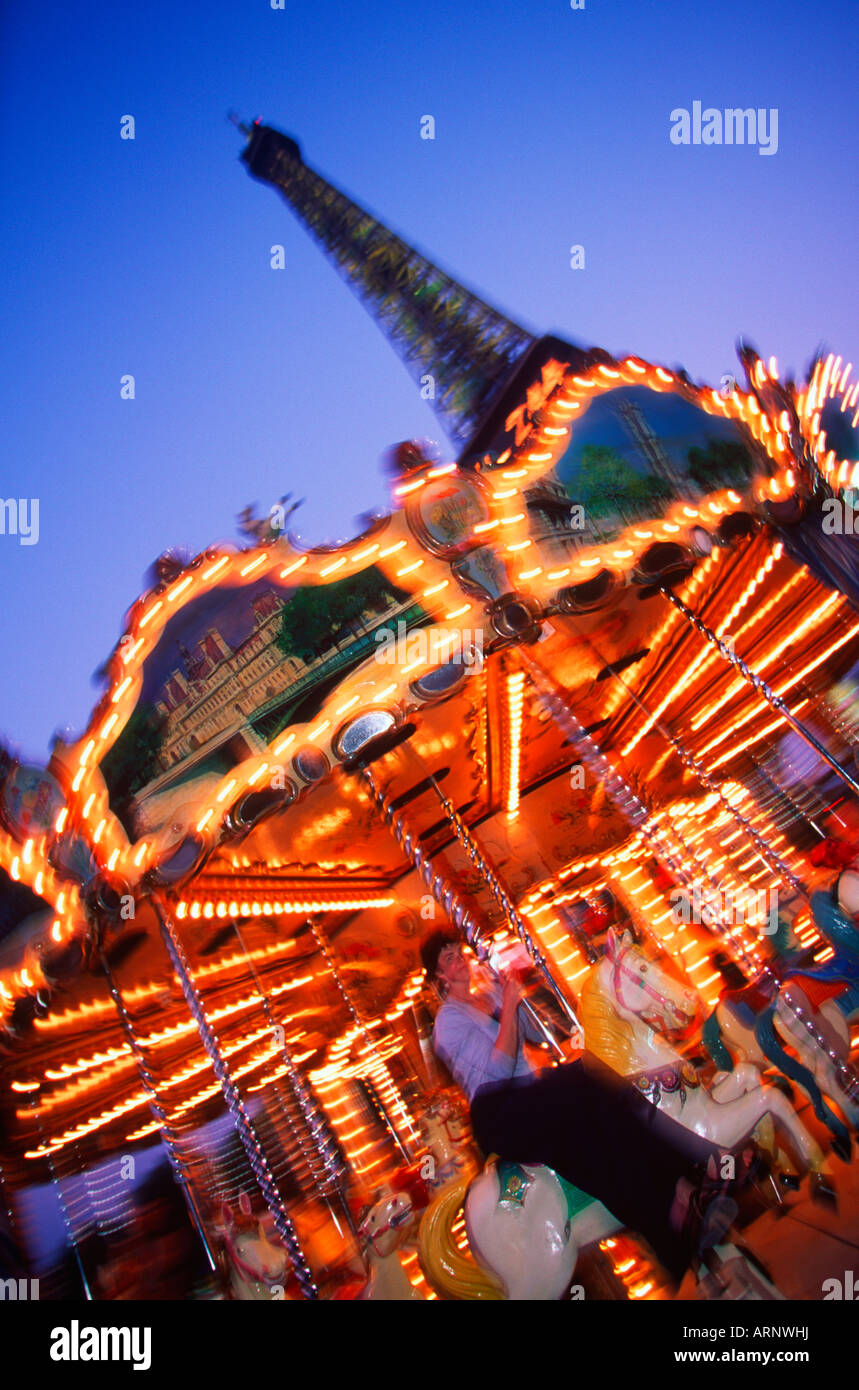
(520, 1223)
(627, 1004)
(526, 1226)
(258, 1269)
(525, 1230)
(739, 1033)
(382, 1230)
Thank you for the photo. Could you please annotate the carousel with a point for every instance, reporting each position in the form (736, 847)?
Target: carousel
(584, 695)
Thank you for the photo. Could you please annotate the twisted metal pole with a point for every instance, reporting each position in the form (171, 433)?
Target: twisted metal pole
(666, 842)
(770, 856)
(244, 1127)
(774, 701)
(463, 915)
(325, 1151)
(632, 806)
(321, 941)
(177, 1163)
(506, 904)
(61, 1199)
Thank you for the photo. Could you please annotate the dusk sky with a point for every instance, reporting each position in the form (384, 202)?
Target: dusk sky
(152, 256)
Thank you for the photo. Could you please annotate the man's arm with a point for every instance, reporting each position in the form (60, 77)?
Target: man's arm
(528, 1028)
(467, 1050)
(507, 1044)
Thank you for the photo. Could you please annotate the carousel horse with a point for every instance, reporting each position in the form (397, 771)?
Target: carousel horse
(525, 1225)
(389, 1223)
(258, 1269)
(628, 1003)
(383, 1229)
(444, 1128)
(753, 1022)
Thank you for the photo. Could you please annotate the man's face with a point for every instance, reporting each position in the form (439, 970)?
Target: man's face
(452, 965)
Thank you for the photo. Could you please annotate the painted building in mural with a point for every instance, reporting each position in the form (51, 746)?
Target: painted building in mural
(214, 690)
(220, 689)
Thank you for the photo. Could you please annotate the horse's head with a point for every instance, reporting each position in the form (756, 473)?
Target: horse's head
(386, 1223)
(264, 1261)
(643, 990)
(444, 1122)
(257, 1266)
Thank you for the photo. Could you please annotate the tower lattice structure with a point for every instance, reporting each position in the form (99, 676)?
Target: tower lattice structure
(649, 443)
(459, 349)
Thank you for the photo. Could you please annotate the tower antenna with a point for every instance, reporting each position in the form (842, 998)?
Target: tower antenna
(459, 349)
(240, 125)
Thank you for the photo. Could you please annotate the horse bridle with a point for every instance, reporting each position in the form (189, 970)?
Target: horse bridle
(393, 1224)
(248, 1272)
(619, 970)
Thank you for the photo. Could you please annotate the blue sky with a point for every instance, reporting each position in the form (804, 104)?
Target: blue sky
(152, 256)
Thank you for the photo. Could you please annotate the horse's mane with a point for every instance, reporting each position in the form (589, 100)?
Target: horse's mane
(607, 1035)
(780, 939)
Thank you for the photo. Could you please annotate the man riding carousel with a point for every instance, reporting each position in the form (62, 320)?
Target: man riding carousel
(579, 1118)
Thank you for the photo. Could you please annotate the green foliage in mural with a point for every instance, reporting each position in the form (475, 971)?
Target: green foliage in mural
(318, 615)
(722, 463)
(607, 485)
(133, 759)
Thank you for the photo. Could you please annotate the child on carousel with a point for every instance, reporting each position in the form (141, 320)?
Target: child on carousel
(579, 1118)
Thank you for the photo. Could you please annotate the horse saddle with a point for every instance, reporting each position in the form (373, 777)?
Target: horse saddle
(753, 999)
(807, 994)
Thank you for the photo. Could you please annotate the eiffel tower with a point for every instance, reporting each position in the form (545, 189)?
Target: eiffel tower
(464, 354)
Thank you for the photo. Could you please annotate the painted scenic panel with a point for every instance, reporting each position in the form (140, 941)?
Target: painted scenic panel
(230, 671)
(634, 451)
